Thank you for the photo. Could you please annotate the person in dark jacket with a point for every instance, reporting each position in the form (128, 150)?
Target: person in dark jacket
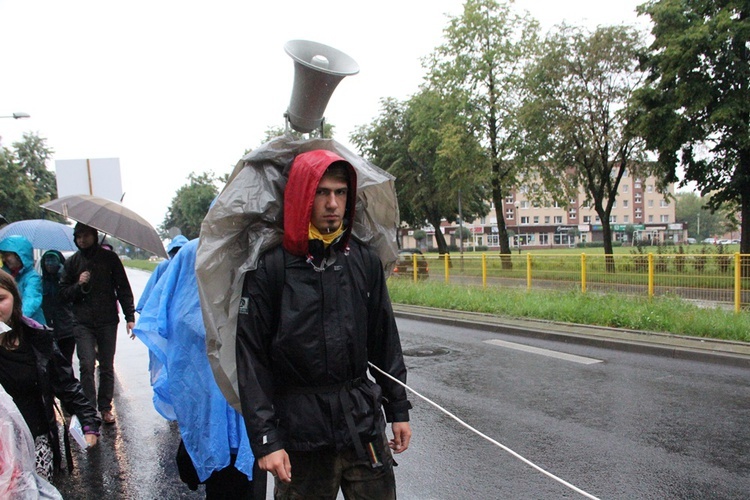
(93, 281)
(33, 372)
(58, 314)
(312, 316)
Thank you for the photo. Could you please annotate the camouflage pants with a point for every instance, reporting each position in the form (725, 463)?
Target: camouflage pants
(320, 474)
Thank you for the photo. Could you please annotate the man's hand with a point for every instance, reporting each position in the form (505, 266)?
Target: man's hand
(401, 436)
(130, 327)
(84, 277)
(278, 464)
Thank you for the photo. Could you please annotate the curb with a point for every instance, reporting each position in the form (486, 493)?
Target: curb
(726, 352)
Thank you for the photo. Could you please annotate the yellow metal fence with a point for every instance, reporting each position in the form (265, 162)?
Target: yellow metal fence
(714, 278)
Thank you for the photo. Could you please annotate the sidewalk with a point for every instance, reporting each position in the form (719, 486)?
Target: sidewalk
(662, 344)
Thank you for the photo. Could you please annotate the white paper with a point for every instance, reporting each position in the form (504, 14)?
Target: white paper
(4, 328)
(77, 432)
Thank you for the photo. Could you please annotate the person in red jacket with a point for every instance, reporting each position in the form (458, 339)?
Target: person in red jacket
(312, 316)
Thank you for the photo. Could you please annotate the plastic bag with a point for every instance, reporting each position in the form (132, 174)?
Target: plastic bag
(18, 477)
(247, 219)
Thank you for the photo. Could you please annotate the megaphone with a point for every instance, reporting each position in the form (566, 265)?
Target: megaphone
(318, 69)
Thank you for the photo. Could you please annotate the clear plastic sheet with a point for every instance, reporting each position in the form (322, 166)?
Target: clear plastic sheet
(18, 477)
(247, 219)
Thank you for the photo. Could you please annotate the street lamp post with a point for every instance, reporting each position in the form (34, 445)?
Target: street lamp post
(518, 226)
(16, 116)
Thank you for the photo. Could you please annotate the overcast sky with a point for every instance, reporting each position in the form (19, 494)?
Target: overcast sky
(172, 87)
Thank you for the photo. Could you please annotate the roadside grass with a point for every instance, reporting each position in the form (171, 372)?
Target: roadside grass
(661, 314)
(143, 265)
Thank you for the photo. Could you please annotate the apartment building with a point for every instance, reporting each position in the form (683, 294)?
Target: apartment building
(640, 211)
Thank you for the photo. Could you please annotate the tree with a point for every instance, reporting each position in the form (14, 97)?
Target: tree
(16, 192)
(190, 205)
(576, 114)
(424, 143)
(701, 222)
(695, 110)
(481, 64)
(27, 182)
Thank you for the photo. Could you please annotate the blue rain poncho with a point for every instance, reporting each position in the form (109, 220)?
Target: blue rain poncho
(171, 326)
(28, 280)
(173, 247)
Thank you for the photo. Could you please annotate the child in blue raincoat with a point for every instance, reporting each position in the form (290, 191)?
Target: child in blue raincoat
(18, 261)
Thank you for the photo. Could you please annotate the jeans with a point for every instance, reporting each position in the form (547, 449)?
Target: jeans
(320, 474)
(97, 343)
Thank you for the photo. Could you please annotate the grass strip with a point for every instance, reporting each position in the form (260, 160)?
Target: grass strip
(660, 314)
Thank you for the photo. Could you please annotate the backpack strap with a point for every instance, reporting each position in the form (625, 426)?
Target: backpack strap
(275, 261)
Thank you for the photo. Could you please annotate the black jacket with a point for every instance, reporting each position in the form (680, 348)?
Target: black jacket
(95, 303)
(58, 313)
(299, 350)
(57, 380)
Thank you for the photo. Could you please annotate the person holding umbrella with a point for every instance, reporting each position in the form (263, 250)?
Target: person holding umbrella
(93, 281)
(18, 261)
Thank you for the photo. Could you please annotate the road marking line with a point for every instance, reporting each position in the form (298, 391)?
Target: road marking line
(544, 352)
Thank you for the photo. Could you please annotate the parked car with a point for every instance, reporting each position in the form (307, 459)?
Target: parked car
(710, 241)
(405, 265)
(724, 242)
(691, 241)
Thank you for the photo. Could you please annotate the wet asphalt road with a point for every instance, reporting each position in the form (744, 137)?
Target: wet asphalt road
(629, 426)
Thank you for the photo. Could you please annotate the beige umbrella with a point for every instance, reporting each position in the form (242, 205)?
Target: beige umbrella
(109, 217)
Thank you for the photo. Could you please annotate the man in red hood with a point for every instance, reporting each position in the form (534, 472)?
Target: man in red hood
(312, 316)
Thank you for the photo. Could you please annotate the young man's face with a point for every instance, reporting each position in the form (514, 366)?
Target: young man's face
(85, 239)
(329, 205)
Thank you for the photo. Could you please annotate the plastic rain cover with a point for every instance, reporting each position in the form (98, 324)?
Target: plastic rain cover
(18, 477)
(171, 326)
(247, 219)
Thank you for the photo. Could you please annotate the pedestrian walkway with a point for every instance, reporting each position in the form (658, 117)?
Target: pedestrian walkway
(663, 344)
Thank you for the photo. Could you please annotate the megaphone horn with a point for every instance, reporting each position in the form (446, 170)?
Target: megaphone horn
(318, 69)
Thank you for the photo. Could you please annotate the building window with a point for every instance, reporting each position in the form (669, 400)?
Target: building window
(637, 185)
(612, 219)
(624, 188)
(543, 239)
(546, 219)
(596, 218)
(651, 218)
(638, 214)
(626, 218)
(638, 198)
(483, 220)
(510, 214)
(509, 199)
(572, 214)
(664, 218)
(558, 219)
(536, 219)
(625, 203)
(525, 204)
(587, 219)
(525, 220)
(663, 203)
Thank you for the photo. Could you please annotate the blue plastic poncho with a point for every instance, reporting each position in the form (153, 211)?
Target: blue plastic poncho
(28, 280)
(177, 242)
(171, 326)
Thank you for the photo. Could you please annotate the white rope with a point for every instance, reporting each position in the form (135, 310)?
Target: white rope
(524, 460)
